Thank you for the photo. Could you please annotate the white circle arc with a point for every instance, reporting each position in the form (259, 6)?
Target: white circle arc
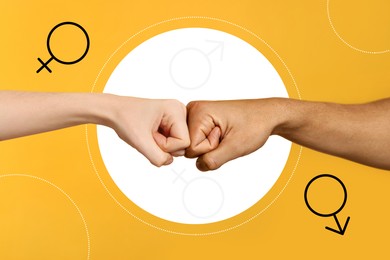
(65, 194)
(243, 73)
(296, 161)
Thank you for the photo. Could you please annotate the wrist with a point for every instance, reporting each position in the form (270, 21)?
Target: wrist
(288, 115)
(101, 109)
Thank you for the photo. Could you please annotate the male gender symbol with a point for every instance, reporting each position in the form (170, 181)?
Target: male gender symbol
(341, 230)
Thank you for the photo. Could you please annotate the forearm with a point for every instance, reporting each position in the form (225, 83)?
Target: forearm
(26, 113)
(356, 132)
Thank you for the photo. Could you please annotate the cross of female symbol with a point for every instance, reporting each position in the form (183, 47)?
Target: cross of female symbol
(53, 57)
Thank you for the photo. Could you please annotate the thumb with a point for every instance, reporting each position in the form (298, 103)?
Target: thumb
(226, 151)
(149, 148)
(208, 144)
(170, 144)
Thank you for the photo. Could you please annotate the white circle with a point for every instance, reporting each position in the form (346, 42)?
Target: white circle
(203, 197)
(242, 73)
(190, 68)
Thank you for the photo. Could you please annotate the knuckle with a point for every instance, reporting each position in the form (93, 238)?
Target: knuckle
(190, 153)
(174, 103)
(193, 105)
(176, 106)
(178, 153)
(164, 146)
(210, 163)
(158, 161)
(186, 143)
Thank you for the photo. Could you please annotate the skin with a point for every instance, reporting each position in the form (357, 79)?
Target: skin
(156, 128)
(221, 131)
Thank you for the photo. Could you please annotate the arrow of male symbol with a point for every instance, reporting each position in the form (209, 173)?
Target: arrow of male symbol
(340, 230)
(219, 46)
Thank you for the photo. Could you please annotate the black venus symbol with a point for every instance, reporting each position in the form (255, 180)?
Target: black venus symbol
(53, 57)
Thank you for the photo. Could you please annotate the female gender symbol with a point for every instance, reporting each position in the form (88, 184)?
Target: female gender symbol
(191, 186)
(53, 57)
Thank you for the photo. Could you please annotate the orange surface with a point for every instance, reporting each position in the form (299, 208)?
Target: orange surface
(48, 186)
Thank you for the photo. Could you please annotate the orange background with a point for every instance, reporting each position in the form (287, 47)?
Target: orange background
(40, 207)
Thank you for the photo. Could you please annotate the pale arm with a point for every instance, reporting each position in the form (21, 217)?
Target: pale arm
(156, 128)
(27, 113)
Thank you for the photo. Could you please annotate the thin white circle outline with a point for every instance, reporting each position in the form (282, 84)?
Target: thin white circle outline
(344, 41)
(198, 85)
(97, 172)
(64, 193)
(197, 179)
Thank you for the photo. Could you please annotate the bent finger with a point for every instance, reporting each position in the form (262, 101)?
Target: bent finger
(149, 148)
(225, 152)
(209, 143)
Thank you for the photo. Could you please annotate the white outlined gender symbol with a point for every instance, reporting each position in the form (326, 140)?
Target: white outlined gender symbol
(238, 71)
(191, 76)
(194, 74)
(213, 195)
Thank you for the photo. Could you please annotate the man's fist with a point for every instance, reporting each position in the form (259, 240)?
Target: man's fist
(221, 131)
